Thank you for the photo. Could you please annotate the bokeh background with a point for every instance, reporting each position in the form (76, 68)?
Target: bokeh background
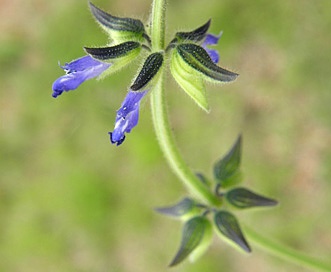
(71, 201)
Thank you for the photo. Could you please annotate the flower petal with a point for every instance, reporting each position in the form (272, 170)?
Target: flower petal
(77, 72)
(212, 40)
(127, 116)
(213, 54)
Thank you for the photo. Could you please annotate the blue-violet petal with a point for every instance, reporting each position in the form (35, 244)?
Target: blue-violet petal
(77, 72)
(212, 40)
(127, 116)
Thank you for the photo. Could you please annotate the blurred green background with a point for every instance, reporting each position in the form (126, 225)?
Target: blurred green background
(71, 201)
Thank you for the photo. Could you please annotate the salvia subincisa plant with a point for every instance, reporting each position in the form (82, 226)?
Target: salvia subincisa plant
(193, 60)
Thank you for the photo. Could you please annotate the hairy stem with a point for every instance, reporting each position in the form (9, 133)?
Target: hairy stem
(283, 252)
(170, 151)
(181, 169)
(158, 24)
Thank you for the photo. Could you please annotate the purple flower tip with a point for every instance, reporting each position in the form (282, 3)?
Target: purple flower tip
(77, 72)
(212, 40)
(114, 142)
(127, 116)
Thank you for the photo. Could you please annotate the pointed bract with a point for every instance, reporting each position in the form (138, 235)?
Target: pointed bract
(119, 55)
(151, 67)
(119, 29)
(180, 209)
(243, 198)
(127, 116)
(113, 52)
(189, 80)
(227, 169)
(228, 226)
(194, 36)
(77, 72)
(192, 236)
(197, 58)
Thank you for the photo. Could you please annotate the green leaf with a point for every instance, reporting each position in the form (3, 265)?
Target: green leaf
(195, 36)
(192, 237)
(228, 226)
(197, 58)
(119, 29)
(180, 209)
(150, 68)
(189, 80)
(243, 198)
(226, 170)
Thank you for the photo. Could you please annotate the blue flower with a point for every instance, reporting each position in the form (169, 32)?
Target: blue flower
(212, 40)
(77, 72)
(127, 116)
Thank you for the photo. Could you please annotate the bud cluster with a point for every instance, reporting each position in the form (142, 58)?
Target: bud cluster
(197, 230)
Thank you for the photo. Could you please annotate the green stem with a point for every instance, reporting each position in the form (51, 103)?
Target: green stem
(172, 155)
(158, 24)
(170, 151)
(286, 253)
(160, 118)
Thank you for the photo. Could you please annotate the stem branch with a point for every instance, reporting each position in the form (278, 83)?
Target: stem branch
(288, 254)
(181, 169)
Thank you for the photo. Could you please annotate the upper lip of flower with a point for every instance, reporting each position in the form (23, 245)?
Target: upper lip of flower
(77, 72)
(127, 116)
(211, 39)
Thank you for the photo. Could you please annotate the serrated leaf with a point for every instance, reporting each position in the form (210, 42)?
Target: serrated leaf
(180, 209)
(192, 236)
(119, 29)
(228, 226)
(189, 80)
(196, 57)
(243, 198)
(196, 35)
(226, 170)
(150, 68)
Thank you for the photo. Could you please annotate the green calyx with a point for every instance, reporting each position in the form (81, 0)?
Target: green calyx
(227, 170)
(191, 65)
(114, 52)
(151, 67)
(120, 29)
(199, 60)
(189, 80)
(228, 226)
(243, 198)
(119, 55)
(183, 210)
(196, 237)
(196, 35)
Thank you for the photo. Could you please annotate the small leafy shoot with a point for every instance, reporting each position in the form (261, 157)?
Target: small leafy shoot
(228, 226)
(227, 170)
(243, 198)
